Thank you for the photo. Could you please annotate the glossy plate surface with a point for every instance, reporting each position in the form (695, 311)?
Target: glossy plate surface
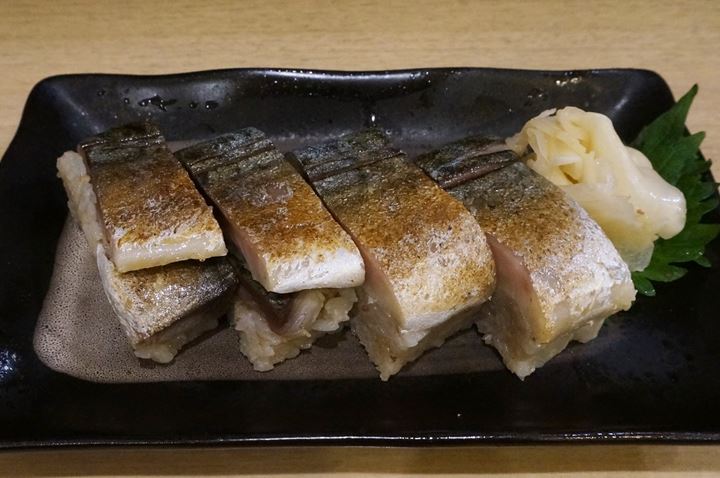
(652, 374)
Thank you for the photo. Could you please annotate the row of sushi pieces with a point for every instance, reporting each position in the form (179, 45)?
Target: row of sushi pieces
(408, 251)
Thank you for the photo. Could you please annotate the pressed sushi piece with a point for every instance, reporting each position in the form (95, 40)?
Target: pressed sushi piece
(288, 239)
(428, 264)
(558, 276)
(150, 213)
(300, 265)
(161, 308)
(276, 327)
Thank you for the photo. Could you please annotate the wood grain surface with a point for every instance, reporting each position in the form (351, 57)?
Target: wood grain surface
(511, 462)
(679, 40)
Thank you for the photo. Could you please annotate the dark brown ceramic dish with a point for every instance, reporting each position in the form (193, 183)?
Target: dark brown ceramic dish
(653, 374)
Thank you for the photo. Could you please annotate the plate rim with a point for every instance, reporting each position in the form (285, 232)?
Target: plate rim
(430, 439)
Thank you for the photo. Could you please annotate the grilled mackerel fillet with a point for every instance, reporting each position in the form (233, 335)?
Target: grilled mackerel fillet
(303, 265)
(150, 212)
(559, 277)
(428, 264)
(161, 308)
(288, 239)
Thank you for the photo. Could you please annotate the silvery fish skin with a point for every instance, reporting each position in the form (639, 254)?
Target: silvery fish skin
(150, 212)
(302, 265)
(288, 239)
(161, 308)
(428, 263)
(559, 276)
(457, 163)
(347, 152)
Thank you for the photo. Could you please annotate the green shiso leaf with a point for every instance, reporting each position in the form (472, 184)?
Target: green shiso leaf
(675, 155)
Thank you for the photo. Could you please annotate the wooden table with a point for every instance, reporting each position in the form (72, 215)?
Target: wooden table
(677, 39)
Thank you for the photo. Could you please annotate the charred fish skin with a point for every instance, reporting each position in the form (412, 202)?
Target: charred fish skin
(162, 308)
(428, 263)
(288, 239)
(559, 277)
(150, 211)
(415, 233)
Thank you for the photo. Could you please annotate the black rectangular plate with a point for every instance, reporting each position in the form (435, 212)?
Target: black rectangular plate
(651, 375)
